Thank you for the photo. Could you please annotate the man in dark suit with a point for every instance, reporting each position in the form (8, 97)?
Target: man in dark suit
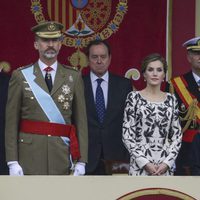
(4, 79)
(104, 126)
(45, 106)
(187, 90)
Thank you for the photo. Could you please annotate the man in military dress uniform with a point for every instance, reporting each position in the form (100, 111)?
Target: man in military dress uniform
(46, 122)
(187, 89)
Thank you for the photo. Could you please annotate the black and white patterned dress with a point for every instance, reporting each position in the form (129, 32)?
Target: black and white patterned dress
(151, 132)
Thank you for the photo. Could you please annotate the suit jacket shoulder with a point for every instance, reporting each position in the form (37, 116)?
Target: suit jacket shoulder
(117, 77)
(119, 80)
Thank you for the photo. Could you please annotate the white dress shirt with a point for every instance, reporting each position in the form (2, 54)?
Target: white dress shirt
(52, 72)
(197, 78)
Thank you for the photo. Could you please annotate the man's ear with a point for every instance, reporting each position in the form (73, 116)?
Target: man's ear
(188, 57)
(60, 45)
(36, 45)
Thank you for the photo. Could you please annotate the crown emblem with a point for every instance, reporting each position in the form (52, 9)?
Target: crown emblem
(51, 27)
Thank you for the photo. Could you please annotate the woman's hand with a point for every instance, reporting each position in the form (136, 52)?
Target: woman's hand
(150, 168)
(161, 169)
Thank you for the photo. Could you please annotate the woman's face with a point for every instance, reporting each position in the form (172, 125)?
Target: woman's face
(154, 73)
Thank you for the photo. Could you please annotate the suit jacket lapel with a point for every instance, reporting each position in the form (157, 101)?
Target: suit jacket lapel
(90, 97)
(111, 93)
(39, 79)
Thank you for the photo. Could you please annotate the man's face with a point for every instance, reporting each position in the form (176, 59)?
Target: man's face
(194, 59)
(48, 48)
(99, 59)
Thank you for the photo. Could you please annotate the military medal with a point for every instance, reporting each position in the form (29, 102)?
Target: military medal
(66, 89)
(61, 98)
(66, 105)
(66, 96)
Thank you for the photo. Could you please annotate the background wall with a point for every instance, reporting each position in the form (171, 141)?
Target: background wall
(197, 18)
(143, 30)
(183, 29)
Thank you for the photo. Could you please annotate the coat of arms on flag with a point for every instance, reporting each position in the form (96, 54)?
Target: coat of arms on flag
(83, 20)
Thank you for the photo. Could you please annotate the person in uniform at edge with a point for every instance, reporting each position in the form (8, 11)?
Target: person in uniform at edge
(46, 121)
(4, 79)
(104, 128)
(186, 89)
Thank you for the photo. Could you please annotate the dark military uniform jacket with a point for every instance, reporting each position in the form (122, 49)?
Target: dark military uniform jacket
(43, 154)
(183, 160)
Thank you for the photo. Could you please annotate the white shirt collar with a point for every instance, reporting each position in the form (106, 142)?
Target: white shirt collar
(43, 65)
(196, 77)
(94, 77)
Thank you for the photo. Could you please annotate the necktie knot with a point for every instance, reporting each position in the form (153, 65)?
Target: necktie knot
(48, 69)
(99, 81)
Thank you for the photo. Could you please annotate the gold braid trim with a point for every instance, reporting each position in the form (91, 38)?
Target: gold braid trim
(191, 115)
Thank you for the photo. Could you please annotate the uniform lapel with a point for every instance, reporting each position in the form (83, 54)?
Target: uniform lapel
(39, 79)
(59, 78)
(192, 86)
(90, 98)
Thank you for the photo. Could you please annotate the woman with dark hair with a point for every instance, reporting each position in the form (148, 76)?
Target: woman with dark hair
(151, 128)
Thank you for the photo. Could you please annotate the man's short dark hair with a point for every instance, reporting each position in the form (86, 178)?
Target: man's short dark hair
(97, 42)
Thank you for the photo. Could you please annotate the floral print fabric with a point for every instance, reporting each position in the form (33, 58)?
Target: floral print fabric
(151, 132)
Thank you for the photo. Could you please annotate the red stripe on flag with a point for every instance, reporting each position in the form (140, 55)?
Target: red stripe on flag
(52, 10)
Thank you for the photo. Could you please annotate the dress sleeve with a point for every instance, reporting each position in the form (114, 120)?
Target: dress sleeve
(131, 134)
(174, 136)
